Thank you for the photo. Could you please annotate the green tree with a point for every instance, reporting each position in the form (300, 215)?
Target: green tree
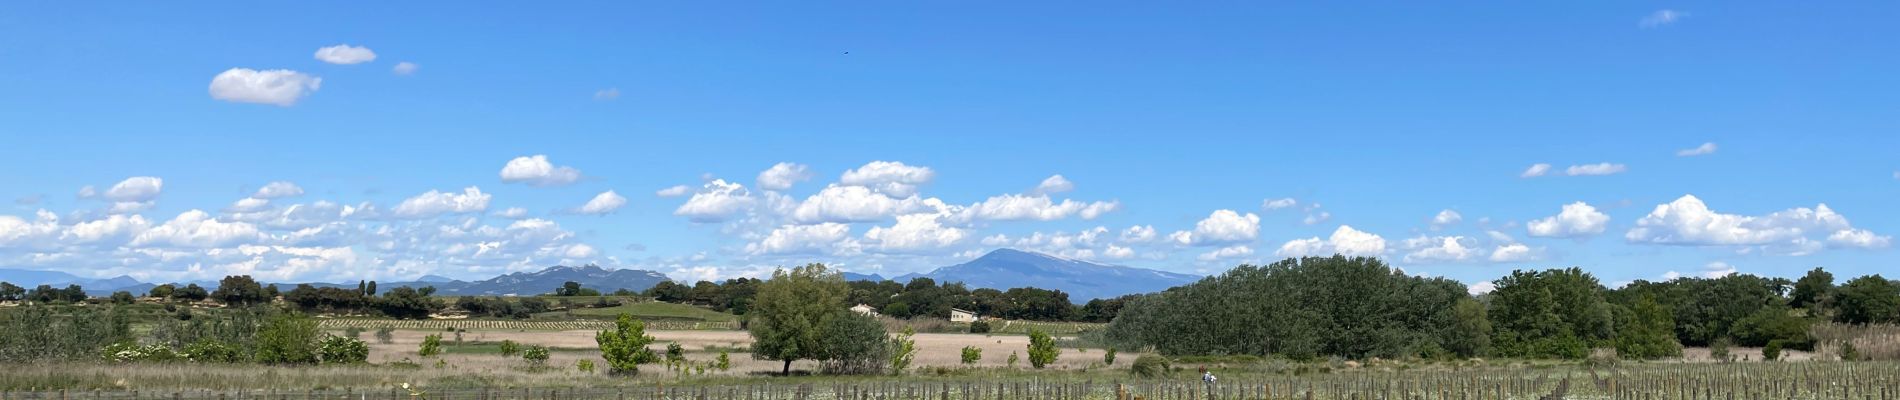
(122, 297)
(342, 350)
(972, 354)
(1470, 336)
(1551, 313)
(10, 292)
(1812, 290)
(161, 291)
(1867, 300)
(509, 348)
(851, 343)
(288, 338)
(675, 353)
(791, 308)
(191, 292)
(408, 303)
(239, 290)
(903, 351)
(536, 355)
(1646, 331)
(1772, 324)
(1042, 349)
(625, 346)
(1108, 357)
(431, 345)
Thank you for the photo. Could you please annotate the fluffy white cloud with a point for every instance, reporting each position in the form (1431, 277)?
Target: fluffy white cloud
(805, 239)
(434, 203)
(111, 230)
(512, 213)
(1440, 249)
(1054, 184)
(1222, 227)
(405, 68)
(198, 229)
(1513, 253)
(1120, 253)
(278, 190)
(603, 203)
(859, 204)
(673, 191)
(247, 205)
(914, 232)
(1480, 288)
(1446, 218)
(1226, 252)
(136, 189)
(1598, 169)
(890, 177)
(717, 201)
(1139, 234)
(1010, 207)
(1660, 18)
(1536, 170)
(783, 175)
(1345, 240)
(1275, 204)
(1689, 221)
(280, 87)
(1576, 220)
(1704, 149)
(345, 54)
(537, 171)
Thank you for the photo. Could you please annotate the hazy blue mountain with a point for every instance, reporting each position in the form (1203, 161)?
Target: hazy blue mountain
(520, 283)
(852, 277)
(434, 278)
(1082, 280)
(30, 278)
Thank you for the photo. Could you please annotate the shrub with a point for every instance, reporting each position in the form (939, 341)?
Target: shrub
(1848, 352)
(1109, 357)
(212, 351)
(509, 348)
(972, 354)
(1149, 366)
(1042, 349)
(354, 332)
(979, 327)
(431, 345)
(1718, 350)
(675, 353)
(1772, 351)
(724, 362)
(1012, 360)
(903, 351)
(385, 335)
(342, 350)
(854, 344)
(288, 338)
(584, 365)
(536, 355)
(625, 347)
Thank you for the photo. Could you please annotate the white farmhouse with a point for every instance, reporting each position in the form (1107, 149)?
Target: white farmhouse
(959, 315)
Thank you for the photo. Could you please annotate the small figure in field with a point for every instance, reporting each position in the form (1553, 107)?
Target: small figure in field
(1208, 378)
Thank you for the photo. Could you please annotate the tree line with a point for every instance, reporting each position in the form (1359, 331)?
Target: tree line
(1359, 307)
(921, 297)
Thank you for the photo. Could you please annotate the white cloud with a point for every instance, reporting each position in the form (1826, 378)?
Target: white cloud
(1576, 220)
(280, 87)
(673, 191)
(805, 239)
(197, 229)
(996, 240)
(1689, 221)
(1598, 169)
(1446, 218)
(1225, 253)
(1275, 204)
(1440, 249)
(783, 175)
(1345, 240)
(1222, 227)
(1010, 207)
(1513, 253)
(278, 190)
(1316, 218)
(405, 68)
(1119, 253)
(512, 213)
(1139, 234)
(136, 189)
(603, 203)
(248, 204)
(1704, 149)
(715, 202)
(1480, 288)
(1717, 269)
(914, 232)
(345, 54)
(607, 94)
(858, 204)
(1536, 170)
(890, 177)
(110, 230)
(537, 171)
(1054, 184)
(1660, 18)
(434, 203)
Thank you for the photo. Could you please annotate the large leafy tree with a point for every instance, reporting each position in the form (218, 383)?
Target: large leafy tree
(1550, 313)
(1868, 300)
(1813, 290)
(240, 290)
(788, 317)
(625, 347)
(1646, 330)
(408, 303)
(10, 292)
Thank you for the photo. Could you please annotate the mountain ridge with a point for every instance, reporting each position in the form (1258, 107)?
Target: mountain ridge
(1006, 268)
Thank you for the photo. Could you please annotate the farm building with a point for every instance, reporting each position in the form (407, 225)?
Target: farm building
(959, 315)
(864, 309)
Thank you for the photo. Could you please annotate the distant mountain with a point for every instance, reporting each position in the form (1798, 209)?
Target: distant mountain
(1082, 280)
(853, 277)
(520, 283)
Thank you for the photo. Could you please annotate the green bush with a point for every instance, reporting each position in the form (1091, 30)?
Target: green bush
(537, 355)
(509, 348)
(625, 347)
(212, 351)
(1771, 352)
(1109, 357)
(1012, 360)
(1042, 349)
(1848, 352)
(1149, 366)
(972, 354)
(288, 338)
(724, 362)
(903, 351)
(353, 332)
(343, 350)
(854, 344)
(431, 345)
(385, 335)
(1718, 349)
(980, 327)
(675, 353)
(584, 365)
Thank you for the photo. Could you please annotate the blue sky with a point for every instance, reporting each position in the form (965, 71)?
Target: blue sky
(917, 135)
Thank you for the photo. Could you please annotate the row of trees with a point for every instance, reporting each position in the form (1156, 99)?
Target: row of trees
(1359, 307)
(921, 297)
